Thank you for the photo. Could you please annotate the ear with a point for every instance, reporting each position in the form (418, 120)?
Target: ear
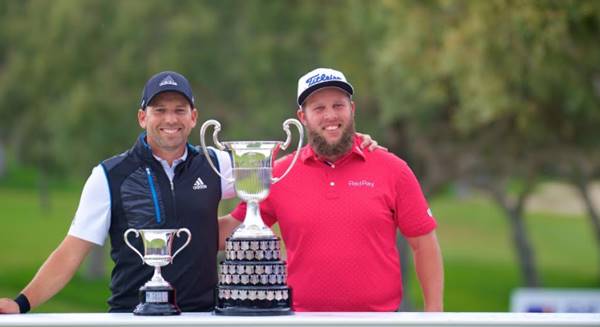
(301, 115)
(194, 117)
(142, 118)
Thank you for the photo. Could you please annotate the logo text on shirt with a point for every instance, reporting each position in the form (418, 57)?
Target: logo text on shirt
(361, 183)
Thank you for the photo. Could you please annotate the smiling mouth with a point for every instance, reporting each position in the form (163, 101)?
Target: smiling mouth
(332, 127)
(170, 130)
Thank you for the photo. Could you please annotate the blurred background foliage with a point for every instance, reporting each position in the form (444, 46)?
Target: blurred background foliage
(487, 100)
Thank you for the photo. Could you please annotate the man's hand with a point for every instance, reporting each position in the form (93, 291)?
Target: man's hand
(227, 224)
(369, 143)
(8, 306)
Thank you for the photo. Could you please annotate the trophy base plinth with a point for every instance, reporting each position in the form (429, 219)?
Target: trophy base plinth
(157, 301)
(273, 300)
(240, 311)
(252, 279)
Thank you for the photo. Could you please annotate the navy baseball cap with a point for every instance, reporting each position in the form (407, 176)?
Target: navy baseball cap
(319, 78)
(166, 81)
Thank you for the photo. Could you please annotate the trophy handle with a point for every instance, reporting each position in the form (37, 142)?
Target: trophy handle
(217, 144)
(137, 234)
(187, 231)
(286, 128)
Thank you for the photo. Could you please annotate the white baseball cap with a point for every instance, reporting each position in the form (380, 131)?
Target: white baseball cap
(321, 77)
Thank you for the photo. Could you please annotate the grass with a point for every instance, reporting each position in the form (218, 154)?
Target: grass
(33, 233)
(480, 263)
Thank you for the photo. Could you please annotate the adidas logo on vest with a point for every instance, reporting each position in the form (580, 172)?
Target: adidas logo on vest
(199, 184)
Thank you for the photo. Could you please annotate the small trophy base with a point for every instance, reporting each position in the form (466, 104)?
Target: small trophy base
(157, 301)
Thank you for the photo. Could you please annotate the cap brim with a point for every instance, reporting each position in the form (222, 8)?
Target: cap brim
(340, 84)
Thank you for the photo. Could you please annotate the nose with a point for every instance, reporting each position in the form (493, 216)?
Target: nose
(170, 116)
(329, 113)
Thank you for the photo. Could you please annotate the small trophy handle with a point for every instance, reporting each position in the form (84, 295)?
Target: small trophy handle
(217, 144)
(187, 231)
(286, 128)
(137, 234)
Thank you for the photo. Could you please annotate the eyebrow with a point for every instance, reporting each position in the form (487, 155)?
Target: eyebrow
(178, 106)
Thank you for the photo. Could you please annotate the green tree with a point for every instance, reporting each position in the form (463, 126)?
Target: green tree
(486, 88)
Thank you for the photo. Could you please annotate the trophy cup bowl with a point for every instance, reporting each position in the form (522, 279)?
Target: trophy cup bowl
(252, 278)
(157, 296)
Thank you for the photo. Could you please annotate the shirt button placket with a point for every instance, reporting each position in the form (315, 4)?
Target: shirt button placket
(332, 192)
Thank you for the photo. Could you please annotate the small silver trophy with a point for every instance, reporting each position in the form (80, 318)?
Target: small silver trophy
(252, 279)
(157, 296)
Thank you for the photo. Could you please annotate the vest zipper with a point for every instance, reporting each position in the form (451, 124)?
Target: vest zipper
(154, 195)
(173, 196)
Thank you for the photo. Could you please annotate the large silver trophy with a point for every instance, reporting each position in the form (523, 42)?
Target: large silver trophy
(157, 296)
(253, 278)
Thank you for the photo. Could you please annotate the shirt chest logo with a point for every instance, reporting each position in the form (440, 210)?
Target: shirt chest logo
(361, 183)
(199, 185)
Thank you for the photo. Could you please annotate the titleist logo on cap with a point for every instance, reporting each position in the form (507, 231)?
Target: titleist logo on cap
(321, 78)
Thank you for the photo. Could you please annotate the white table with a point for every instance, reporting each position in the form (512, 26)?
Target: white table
(416, 319)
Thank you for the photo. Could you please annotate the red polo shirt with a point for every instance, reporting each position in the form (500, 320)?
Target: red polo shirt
(339, 224)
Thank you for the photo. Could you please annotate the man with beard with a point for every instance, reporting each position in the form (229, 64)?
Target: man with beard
(339, 208)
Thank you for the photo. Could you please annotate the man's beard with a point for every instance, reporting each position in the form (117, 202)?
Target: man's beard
(322, 148)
